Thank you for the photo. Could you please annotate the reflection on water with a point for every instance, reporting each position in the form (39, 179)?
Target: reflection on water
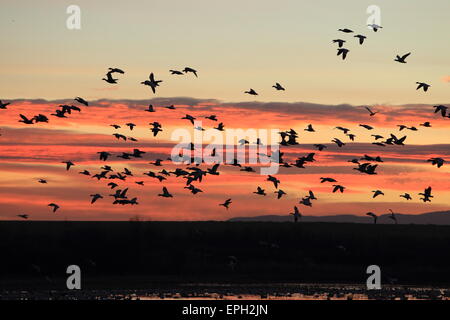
(242, 291)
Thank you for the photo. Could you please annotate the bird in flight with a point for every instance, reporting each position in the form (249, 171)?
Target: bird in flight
(343, 52)
(95, 197)
(376, 193)
(23, 216)
(280, 193)
(423, 85)
(82, 101)
(3, 105)
(407, 196)
(361, 38)
(326, 179)
(440, 108)
(165, 193)
(345, 30)
(152, 83)
(374, 27)
(340, 42)
(426, 195)
(54, 206)
(226, 203)
(338, 187)
(116, 70)
(176, 72)
(109, 78)
(187, 69)
(251, 92)
(278, 87)
(260, 191)
(68, 164)
(402, 59)
(372, 113)
(25, 119)
(150, 108)
(439, 162)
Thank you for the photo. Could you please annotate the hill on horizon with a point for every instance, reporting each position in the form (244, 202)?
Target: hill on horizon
(437, 218)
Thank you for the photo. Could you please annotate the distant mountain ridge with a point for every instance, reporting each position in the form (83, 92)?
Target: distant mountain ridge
(437, 218)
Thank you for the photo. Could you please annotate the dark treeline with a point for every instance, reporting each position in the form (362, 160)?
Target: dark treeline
(137, 253)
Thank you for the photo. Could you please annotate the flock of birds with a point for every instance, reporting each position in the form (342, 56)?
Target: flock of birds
(364, 165)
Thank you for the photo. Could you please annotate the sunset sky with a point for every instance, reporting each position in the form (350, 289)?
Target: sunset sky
(234, 45)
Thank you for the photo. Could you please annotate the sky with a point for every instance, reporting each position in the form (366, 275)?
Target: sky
(235, 46)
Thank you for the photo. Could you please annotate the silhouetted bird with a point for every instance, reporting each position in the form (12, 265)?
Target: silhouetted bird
(116, 70)
(3, 105)
(25, 119)
(371, 112)
(278, 86)
(423, 85)
(345, 30)
(338, 187)
(109, 78)
(152, 83)
(376, 193)
(187, 69)
(374, 27)
(402, 58)
(340, 42)
(68, 164)
(23, 216)
(260, 191)
(426, 195)
(226, 203)
(82, 101)
(95, 197)
(361, 38)
(439, 162)
(165, 193)
(280, 193)
(440, 108)
(150, 108)
(176, 72)
(54, 206)
(251, 92)
(407, 196)
(343, 52)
